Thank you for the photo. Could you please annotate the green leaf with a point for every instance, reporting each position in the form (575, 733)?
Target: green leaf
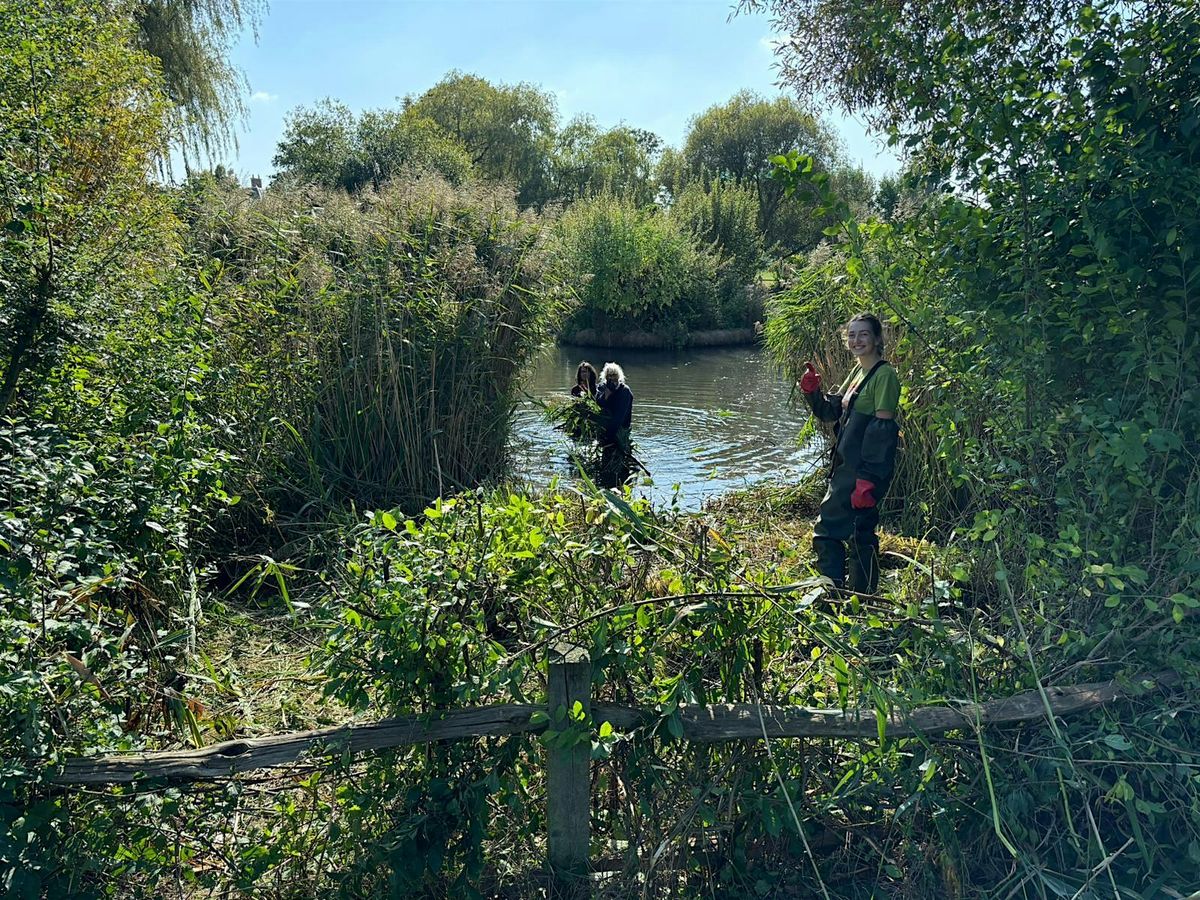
(1118, 742)
(675, 726)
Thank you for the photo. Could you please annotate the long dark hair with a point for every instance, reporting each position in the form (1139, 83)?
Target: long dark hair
(587, 373)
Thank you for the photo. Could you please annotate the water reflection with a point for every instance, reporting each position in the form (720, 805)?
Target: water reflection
(710, 420)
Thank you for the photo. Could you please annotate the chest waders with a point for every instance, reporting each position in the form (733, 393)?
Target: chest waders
(839, 523)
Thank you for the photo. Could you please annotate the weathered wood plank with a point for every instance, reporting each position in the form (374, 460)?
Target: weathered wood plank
(568, 781)
(724, 722)
(740, 721)
(232, 757)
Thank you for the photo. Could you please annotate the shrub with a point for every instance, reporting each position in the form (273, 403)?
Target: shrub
(80, 125)
(724, 218)
(635, 267)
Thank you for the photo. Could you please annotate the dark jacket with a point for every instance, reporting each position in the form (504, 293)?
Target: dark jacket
(616, 409)
(865, 443)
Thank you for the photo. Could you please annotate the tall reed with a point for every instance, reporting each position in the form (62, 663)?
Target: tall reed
(384, 336)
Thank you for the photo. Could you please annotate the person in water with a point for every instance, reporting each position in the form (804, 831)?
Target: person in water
(585, 380)
(864, 456)
(615, 400)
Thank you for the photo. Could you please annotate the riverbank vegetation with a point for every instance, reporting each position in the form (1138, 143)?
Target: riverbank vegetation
(251, 460)
(1041, 298)
(661, 241)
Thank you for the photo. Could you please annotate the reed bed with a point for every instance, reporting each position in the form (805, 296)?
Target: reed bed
(382, 336)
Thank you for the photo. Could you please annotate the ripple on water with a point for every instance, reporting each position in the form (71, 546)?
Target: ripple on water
(709, 420)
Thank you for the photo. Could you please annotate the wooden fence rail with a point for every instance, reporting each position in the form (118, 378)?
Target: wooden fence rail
(569, 680)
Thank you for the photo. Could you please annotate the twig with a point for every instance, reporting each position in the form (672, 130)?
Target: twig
(1102, 866)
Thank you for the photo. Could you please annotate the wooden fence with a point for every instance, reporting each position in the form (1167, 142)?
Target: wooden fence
(568, 782)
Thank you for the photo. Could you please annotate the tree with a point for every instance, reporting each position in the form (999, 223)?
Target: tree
(390, 142)
(507, 129)
(736, 140)
(80, 125)
(588, 161)
(317, 144)
(327, 146)
(191, 40)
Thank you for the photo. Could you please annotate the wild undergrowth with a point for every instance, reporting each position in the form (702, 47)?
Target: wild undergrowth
(223, 424)
(457, 607)
(1039, 296)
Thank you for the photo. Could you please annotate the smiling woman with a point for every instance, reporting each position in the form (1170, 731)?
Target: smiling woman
(863, 411)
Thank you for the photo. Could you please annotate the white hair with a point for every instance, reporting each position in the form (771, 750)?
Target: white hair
(612, 368)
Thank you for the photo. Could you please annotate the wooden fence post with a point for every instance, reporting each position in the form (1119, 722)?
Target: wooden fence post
(568, 784)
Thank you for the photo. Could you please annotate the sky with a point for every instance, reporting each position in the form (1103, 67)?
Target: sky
(650, 64)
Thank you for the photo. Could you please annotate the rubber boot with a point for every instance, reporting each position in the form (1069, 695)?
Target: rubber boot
(831, 559)
(864, 555)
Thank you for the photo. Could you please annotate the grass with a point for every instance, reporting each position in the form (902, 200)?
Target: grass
(252, 677)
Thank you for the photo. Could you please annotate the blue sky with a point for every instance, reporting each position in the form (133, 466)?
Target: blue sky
(651, 64)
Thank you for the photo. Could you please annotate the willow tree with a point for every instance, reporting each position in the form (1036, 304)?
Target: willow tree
(80, 126)
(507, 129)
(191, 39)
(734, 141)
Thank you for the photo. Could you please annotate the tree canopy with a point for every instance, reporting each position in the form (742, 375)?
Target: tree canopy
(326, 145)
(191, 40)
(736, 140)
(588, 160)
(507, 129)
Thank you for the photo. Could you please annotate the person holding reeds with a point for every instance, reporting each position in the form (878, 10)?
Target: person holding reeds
(615, 400)
(579, 418)
(585, 380)
(864, 456)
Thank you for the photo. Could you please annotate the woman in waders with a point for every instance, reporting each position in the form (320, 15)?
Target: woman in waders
(616, 416)
(864, 456)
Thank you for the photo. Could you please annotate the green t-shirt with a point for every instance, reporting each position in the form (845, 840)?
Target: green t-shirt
(881, 393)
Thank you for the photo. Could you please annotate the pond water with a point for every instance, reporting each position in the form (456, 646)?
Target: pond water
(709, 420)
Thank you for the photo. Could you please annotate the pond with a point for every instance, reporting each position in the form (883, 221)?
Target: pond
(709, 420)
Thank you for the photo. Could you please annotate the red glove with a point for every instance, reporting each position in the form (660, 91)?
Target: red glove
(810, 381)
(861, 498)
